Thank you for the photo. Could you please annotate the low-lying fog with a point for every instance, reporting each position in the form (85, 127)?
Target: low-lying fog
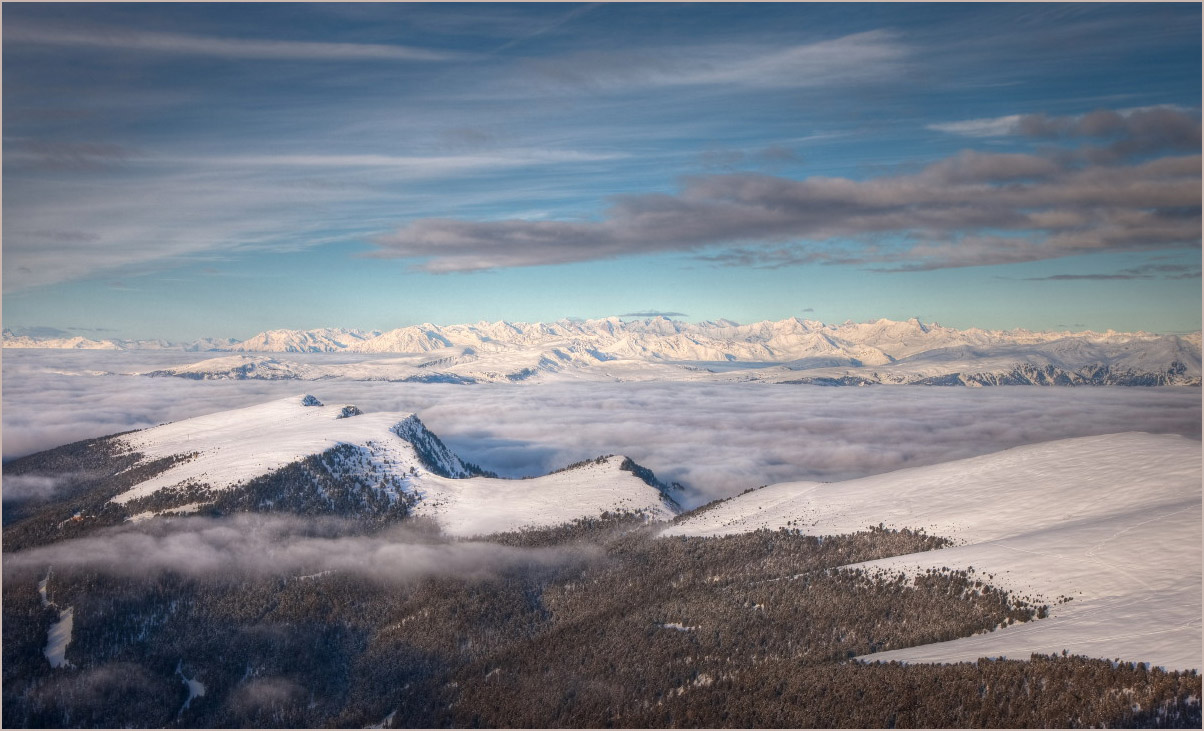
(718, 439)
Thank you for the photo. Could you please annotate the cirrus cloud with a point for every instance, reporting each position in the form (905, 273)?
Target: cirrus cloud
(222, 47)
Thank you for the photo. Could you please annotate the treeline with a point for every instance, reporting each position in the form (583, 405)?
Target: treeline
(1043, 692)
(88, 475)
(742, 631)
(342, 481)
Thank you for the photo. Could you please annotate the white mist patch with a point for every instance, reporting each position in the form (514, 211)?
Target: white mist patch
(291, 547)
(1112, 522)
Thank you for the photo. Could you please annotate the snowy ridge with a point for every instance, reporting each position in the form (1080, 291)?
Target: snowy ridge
(1111, 522)
(241, 367)
(479, 505)
(12, 340)
(870, 343)
(431, 451)
(788, 351)
(324, 340)
(229, 448)
(76, 342)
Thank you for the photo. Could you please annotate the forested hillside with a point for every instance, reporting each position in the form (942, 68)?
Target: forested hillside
(598, 623)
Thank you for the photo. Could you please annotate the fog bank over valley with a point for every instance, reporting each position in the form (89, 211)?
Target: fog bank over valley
(717, 439)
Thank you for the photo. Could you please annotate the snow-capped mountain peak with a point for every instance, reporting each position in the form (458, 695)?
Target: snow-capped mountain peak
(391, 452)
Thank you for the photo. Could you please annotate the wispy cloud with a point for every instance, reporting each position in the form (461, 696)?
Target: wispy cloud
(68, 155)
(990, 127)
(1132, 131)
(223, 47)
(860, 57)
(546, 28)
(949, 214)
(1151, 271)
(169, 208)
(416, 164)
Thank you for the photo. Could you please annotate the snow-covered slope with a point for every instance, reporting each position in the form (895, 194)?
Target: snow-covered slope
(488, 364)
(242, 367)
(1111, 522)
(229, 448)
(77, 342)
(1065, 360)
(481, 505)
(324, 340)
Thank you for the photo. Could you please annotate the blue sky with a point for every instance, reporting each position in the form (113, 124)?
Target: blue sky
(188, 170)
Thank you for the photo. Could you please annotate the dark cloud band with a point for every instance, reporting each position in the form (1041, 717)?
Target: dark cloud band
(971, 209)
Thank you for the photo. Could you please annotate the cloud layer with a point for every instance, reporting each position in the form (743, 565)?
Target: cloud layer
(971, 209)
(718, 439)
(275, 545)
(1127, 132)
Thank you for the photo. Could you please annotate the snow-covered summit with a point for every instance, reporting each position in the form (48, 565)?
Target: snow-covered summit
(225, 450)
(323, 340)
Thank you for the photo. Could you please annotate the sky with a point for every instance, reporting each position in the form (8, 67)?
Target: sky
(215, 170)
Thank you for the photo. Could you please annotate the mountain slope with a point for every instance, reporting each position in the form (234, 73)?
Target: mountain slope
(227, 450)
(324, 340)
(1110, 522)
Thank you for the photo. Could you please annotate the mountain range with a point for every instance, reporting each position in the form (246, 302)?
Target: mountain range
(786, 351)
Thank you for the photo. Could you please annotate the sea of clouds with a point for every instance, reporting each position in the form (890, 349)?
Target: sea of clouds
(717, 439)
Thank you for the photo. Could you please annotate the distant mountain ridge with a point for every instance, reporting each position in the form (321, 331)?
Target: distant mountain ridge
(852, 353)
(882, 340)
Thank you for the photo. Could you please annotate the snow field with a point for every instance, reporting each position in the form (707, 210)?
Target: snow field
(481, 505)
(238, 445)
(1112, 522)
